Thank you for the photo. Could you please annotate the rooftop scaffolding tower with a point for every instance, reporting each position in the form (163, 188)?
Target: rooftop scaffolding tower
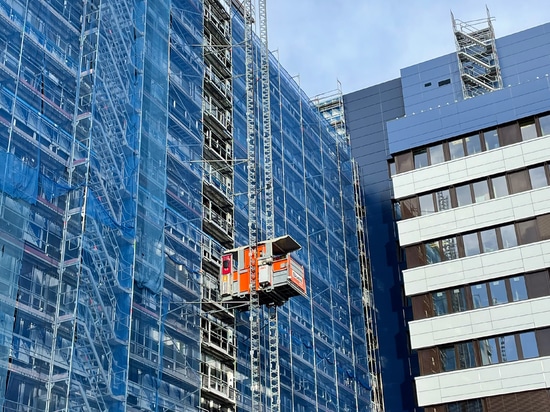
(477, 56)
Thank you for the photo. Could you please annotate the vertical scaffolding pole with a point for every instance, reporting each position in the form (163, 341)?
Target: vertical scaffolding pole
(254, 304)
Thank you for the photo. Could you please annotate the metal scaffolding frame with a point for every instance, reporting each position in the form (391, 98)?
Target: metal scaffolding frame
(477, 56)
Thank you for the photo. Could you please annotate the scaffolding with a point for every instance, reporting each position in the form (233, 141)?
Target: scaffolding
(122, 138)
(477, 56)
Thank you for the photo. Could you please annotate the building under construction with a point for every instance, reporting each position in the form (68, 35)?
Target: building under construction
(125, 156)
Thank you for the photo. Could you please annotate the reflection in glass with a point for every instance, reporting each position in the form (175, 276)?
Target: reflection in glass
(473, 144)
(456, 149)
(500, 188)
(450, 249)
(519, 291)
(440, 303)
(508, 235)
(528, 131)
(498, 292)
(545, 124)
(432, 252)
(489, 352)
(426, 204)
(529, 345)
(489, 240)
(463, 195)
(479, 296)
(491, 139)
(538, 177)
(436, 154)
(448, 360)
(481, 191)
(508, 350)
(420, 159)
(466, 357)
(471, 244)
(443, 199)
(458, 300)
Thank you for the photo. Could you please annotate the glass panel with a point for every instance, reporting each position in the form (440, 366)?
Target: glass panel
(448, 360)
(471, 244)
(508, 350)
(432, 252)
(420, 159)
(436, 154)
(426, 204)
(545, 124)
(466, 357)
(449, 248)
(529, 345)
(500, 187)
(458, 300)
(538, 177)
(440, 303)
(527, 232)
(519, 181)
(481, 191)
(508, 236)
(463, 195)
(479, 295)
(528, 131)
(491, 139)
(489, 240)
(519, 291)
(489, 352)
(456, 149)
(443, 199)
(473, 144)
(397, 210)
(498, 292)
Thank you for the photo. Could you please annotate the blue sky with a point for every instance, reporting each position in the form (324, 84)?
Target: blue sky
(366, 42)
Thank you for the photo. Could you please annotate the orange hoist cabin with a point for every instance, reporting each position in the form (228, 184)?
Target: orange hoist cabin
(278, 276)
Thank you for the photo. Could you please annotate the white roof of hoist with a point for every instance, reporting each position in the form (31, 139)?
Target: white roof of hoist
(281, 245)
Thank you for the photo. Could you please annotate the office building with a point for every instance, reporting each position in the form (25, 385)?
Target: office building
(124, 178)
(463, 298)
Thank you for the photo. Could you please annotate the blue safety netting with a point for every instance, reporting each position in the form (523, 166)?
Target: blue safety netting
(19, 179)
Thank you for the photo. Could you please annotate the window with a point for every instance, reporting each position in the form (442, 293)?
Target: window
(392, 166)
(471, 244)
(444, 82)
(537, 176)
(426, 204)
(473, 144)
(420, 159)
(544, 123)
(479, 296)
(466, 357)
(440, 303)
(500, 187)
(456, 149)
(481, 191)
(458, 300)
(527, 232)
(448, 359)
(489, 240)
(463, 195)
(436, 154)
(432, 253)
(443, 198)
(491, 139)
(498, 292)
(528, 131)
(517, 286)
(508, 236)
(519, 181)
(489, 352)
(528, 345)
(508, 349)
(449, 248)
